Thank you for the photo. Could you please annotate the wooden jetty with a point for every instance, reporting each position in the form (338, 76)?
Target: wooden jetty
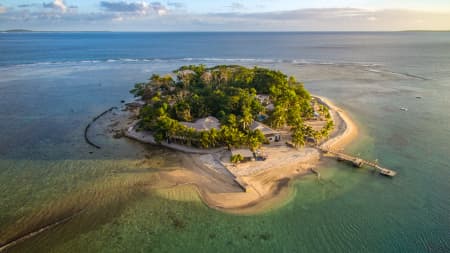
(358, 162)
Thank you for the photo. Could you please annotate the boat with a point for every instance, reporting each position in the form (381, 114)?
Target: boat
(404, 109)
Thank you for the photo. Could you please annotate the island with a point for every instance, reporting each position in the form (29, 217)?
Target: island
(245, 132)
(18, 31)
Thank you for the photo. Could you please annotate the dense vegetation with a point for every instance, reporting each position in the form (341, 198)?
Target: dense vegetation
(228, 93)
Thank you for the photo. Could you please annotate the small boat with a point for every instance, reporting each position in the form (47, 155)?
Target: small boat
(419, 97)
(404, 109)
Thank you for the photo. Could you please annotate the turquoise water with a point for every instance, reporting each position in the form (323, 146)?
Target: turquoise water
(47, 171)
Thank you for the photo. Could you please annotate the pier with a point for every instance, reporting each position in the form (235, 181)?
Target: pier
(358, 162)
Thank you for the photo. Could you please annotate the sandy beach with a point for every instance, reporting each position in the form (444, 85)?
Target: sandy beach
(250, 187)
(345, 129)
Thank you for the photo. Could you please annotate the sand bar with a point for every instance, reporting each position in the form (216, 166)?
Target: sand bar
(219, 183)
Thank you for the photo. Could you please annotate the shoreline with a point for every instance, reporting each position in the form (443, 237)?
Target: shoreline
(345, 131)
(251, 187)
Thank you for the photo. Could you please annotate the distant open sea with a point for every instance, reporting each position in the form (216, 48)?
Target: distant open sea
(53, 84)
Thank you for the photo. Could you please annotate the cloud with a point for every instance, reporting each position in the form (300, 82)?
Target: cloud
(56, 5)
(235, 6)
(323, 19)
(26, 5)
(142, 8)
(125, 6)
(159, 8)
(137, 16)
(2, 9)
(176, 5)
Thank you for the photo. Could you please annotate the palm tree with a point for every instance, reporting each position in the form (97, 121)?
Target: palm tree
(247, 118)
(214, 137)
(298, 136)
(279, 116)
(205, 140)
(255, 139)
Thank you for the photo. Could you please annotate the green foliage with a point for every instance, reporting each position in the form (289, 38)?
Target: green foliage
(255, 139)
(227, 92)
(298, 135)
(236, 158)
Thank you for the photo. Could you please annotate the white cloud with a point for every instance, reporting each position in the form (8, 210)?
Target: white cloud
(56, 5)
(177, 5)
(159, 8)
(154, 16)
(235, 6)
(141, 8)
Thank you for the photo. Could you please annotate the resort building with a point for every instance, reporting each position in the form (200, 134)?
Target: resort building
(203, 124)
(270, 134)
(246, 154)
(266, 101)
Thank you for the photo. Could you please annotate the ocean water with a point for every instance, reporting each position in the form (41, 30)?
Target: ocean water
(53, 84)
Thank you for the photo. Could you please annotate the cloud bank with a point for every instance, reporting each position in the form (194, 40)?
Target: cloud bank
(141, 8)
(173, 16)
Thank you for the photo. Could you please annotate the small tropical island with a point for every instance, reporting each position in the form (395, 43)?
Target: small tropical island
(230, 106)
(244, 133)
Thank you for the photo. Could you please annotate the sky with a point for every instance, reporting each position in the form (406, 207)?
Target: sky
(225, 15)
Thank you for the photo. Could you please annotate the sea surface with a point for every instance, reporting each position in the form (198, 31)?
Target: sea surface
(53, 84)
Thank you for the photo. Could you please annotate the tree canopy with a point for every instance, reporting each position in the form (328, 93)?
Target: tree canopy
(230, 93)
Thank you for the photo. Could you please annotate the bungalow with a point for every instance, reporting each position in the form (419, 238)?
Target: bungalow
(203, 124)
(270, 134)
(265, 101)
(246, 154)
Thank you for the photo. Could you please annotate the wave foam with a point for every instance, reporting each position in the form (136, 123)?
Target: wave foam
(196, 60)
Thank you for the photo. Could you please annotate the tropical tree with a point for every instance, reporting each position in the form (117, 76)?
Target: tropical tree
(214, 137)
(279, 117)
(236, 158)
(230, 94)
(298, 136)
(205, 140)
(246, 119)
(255, 139)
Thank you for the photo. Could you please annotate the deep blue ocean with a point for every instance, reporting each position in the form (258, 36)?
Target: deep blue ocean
(53, 84)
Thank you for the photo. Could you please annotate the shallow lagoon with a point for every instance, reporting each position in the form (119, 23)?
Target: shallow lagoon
(46, 169)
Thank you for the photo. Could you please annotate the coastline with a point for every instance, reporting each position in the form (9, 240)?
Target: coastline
(252, 187)
(345, 130)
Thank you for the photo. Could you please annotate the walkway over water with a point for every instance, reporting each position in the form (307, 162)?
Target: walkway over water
(357, 161)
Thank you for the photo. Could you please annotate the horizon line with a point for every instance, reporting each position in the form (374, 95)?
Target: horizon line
(218, 31)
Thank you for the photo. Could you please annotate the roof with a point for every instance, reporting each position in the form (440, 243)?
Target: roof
(270, 107)
(264, 129)
(136, 104)
(186, 72)
(262, 97)
(203, 124)
(243, 152)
